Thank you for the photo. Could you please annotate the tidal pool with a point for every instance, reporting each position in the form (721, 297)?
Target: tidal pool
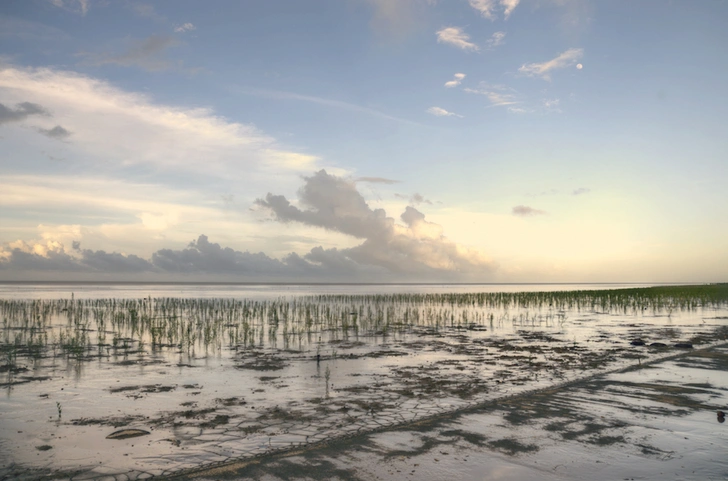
(218, 379)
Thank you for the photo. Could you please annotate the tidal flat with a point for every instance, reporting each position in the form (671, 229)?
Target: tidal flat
(134, 388)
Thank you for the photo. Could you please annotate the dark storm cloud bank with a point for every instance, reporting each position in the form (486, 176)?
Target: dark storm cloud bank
(411, 250)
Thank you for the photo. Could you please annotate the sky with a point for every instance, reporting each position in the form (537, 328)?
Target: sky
(364, 140)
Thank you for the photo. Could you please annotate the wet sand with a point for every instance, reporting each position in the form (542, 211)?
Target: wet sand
(655, 421)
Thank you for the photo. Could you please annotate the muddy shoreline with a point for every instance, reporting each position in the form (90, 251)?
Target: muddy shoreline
(133, 389)
(317, 461)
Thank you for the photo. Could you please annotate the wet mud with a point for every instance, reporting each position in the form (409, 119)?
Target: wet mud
(402, 383)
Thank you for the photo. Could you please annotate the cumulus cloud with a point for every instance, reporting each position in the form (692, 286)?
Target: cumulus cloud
(526, 211)
(203, 256)
(417, 247)
(440, 112)
(489, 8)
(185, 27)
(201, 259)
(497, 95)
(21, 112)
(407, 248)
(147, 54)
(456, 37)
(457, 80)
(52, 256)
(543, 70)
(57, 132)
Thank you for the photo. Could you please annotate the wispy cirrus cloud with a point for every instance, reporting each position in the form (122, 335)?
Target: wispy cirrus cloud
(440, 112)
(544, 69)
(376, 180)
(146, 10)
(28, 30)
(497, 95)
(580, 191)
(551, 105)
(456, 37)
(148, 54)
(281, 95)
(103, 118)
(457, 80)
(490, 8)
(80, 7)
(398, 18)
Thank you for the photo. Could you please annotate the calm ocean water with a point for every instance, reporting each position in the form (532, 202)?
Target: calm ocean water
(265, 291)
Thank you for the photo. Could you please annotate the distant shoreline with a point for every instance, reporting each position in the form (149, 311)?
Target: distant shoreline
(227, 283)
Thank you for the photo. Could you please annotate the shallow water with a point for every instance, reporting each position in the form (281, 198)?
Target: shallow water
(59, 290)
(207, 392)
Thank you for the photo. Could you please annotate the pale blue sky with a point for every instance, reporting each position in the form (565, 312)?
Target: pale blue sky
(542, 140)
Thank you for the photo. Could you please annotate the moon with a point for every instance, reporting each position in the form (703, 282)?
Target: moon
(579, 66)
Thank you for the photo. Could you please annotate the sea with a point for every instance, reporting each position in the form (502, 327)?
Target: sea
(130, 290)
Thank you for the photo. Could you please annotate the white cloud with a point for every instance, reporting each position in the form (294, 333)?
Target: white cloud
(485, 7)
(551, 105)
(440, 112)
(416, 247)
(509, 6)
(409, 248)
(126, 129)
(77, 6)
(496, 39)
(457, 80)
(185, 27)
(456, 37)
(566, 59)
(489, 8)
(498, 95)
